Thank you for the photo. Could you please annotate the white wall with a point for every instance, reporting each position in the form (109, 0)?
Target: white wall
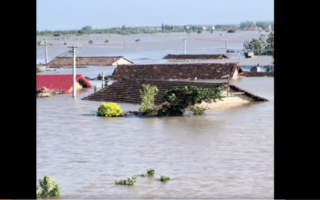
(121, 61)
(229, 101)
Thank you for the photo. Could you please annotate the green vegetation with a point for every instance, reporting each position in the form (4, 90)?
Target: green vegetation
(48, 188)
(259, 24)
(148, 94)
(128, 181)
(150, 172)
(133, 180)
(179, 100)
(262, 46)
(38, 69)
(197, 110)
(143, 175)
(109, 110)
(164, 178)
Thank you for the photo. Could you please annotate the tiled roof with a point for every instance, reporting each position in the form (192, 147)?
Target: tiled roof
(176, 71)
(59, 82)
(84, 61)
(128, 91)
(196, 56)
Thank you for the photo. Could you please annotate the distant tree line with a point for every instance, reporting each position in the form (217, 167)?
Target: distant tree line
(260, 24)
(165, 28)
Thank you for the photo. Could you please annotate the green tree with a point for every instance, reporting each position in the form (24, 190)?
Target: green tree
(148, 94)
(262, 46)
(48, 188)
(179, 100)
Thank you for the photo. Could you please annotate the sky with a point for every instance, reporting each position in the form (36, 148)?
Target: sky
(75, 14)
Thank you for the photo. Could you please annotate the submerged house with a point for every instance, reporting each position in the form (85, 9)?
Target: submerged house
(67, 62)
(193, 71)
(195, 57)
(129, 80)
(128, 91)
(62, 83)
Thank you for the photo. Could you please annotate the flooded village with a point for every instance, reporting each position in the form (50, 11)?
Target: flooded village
(227, 152)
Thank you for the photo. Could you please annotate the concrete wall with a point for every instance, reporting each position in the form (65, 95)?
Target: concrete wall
(235, 74)
(237, 99)
(78, 87)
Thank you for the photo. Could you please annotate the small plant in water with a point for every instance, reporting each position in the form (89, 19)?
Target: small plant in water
(150, 172)
(128, 181)
(48, 188)
(143, 175)
(164, 179)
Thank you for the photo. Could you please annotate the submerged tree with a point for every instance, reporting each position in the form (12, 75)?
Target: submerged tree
(148, 94)
(179, 100)
(48, 188)
(262, 46)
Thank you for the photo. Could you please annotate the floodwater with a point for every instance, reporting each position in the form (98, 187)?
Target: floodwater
(152, 48)
(227, 153)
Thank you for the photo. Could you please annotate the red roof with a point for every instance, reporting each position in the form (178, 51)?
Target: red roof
(59, 82)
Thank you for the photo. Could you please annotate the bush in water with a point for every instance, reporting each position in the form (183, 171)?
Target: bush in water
(150, 172)
(128, 181)
(109, 110)
(164, 178)
(48, 188)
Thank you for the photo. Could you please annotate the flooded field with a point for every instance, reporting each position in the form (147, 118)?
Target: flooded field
(228, 153)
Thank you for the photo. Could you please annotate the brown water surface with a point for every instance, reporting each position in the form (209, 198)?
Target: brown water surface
(227, 153)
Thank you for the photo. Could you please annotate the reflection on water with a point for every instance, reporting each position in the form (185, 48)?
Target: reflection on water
(228, 153)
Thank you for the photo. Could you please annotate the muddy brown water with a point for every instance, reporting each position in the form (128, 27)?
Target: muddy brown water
(227, 153)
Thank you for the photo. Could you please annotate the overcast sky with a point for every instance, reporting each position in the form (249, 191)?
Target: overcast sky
(75, 14)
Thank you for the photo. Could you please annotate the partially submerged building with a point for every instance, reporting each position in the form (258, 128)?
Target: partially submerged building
(196, 57)
(81, 62)
(193, 71)
(128, 91)
(129, 80)
(63, 83)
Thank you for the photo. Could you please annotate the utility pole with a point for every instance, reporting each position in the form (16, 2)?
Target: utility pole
(185, 46)
(46, 53)
(102, 79)
(45, 44)
(225, 43)
(73, 51)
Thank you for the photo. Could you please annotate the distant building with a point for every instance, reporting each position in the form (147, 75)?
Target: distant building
(67, 62)
(212, 28)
